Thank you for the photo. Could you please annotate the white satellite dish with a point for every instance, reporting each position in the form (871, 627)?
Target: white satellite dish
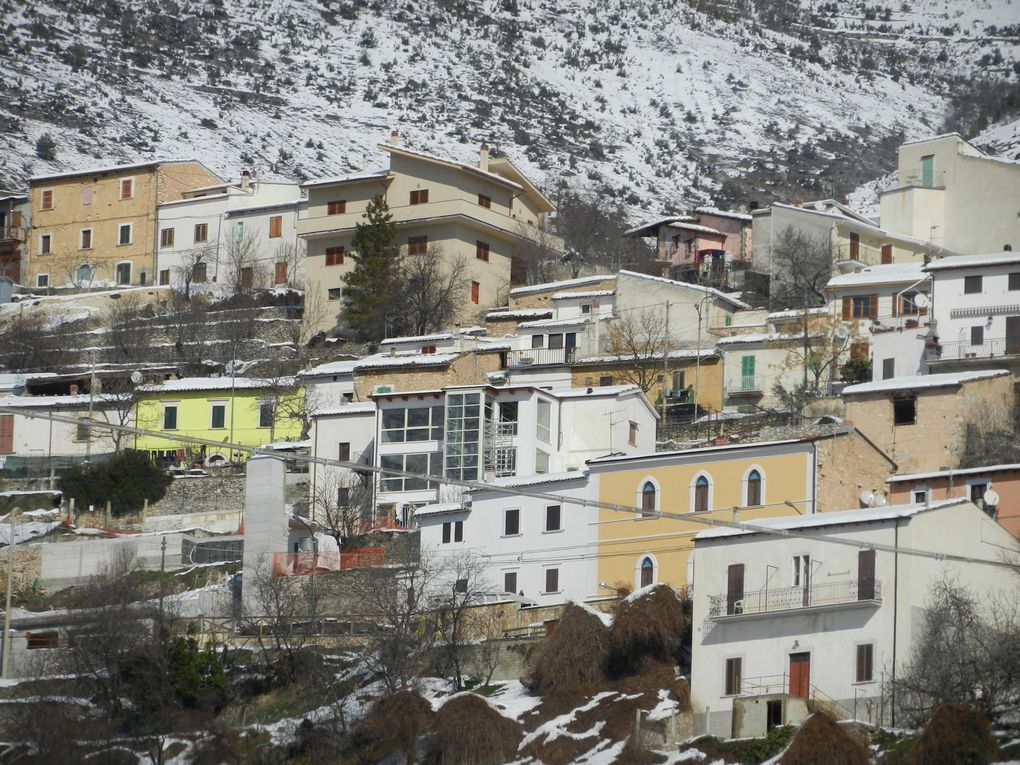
(867, 498)
(880, 500)
(921, 300)
(991, 498)
(137, 378)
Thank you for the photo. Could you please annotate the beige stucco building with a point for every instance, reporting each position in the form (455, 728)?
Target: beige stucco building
(98, 227)
(481, 213)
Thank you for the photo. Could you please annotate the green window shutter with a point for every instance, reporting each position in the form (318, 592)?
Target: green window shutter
(747, 366)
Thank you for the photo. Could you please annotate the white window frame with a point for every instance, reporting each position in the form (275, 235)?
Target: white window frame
(213, 403)
(48, 251)
(120, 188)
(53, 199)
(639, 497)
(798, 570)
(744, 487)
(520, 523)
(517, 579)
(923, 489)
(693, 492)
(637, 569)
(176, 406)
(131, 234)
(81, 239)
(874, 651)
(558, 568)
(40, 277)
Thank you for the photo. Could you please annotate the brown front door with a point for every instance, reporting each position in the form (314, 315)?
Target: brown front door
(800, 674)
(866, 575)
(735, 589)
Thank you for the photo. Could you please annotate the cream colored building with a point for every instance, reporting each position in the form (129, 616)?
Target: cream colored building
(97, 227)
(952, 193)
(482, 213)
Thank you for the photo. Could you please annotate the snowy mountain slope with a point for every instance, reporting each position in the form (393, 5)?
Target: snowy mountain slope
(662, 104)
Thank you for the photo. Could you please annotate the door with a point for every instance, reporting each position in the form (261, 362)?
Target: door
(1013, 334)
(747, 373)
(928, 171)
(735, 589)
(886, 254)
(800, 674)
(866, 575)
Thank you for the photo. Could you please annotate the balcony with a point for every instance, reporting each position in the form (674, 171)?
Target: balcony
(745, 385)
(778, 600)
(917, 178)
(679, 396)
(958, 350)
(540, 356)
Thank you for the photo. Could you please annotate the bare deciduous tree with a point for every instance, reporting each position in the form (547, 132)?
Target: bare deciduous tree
(801, 267)
(460, 587)
(433, 289)
(129, 327)
(193, 267)
(342, 505)
(289, 263)
(246, 269)
(823, 342)
(640, 339)
(540, 253)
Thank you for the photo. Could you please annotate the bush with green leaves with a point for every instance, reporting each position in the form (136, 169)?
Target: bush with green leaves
(125, 481)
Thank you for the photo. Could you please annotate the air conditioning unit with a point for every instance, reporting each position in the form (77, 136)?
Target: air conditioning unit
(380, 389)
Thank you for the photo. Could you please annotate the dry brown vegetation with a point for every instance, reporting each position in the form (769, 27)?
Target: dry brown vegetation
(571, 659)
(393, 725)
(955, 735)
(470, 732)
(648, 628)
(821, 739)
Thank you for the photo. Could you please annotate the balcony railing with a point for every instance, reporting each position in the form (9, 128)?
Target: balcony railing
(539, 356)
(990, 348)
(903, 179)
(745, 385)
(680, 396)
(769, 599)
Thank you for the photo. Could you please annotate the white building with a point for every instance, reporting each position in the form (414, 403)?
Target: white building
(827, 612)
(540, 551)
(205, 221)
(949, 191)
(347, 433)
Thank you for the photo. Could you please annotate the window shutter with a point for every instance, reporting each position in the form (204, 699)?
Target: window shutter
(860, 662)
(6, 433)
(734, 586)
(872, 306)
(846, 308)
(896, 304)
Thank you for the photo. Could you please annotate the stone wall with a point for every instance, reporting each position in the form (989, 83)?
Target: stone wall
(27, 566)
(468, 369)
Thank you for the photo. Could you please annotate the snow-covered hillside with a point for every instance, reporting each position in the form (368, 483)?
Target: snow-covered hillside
(664, 104)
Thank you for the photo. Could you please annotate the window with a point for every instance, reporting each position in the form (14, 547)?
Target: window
(280, 273)
(333, 293)
(541, 462)
(861, 306)
(908, 304)
(201, 232)
(406, 424)
(1014, 280)
(275, 226)
(86, 195)
(510, 582)
(447, 533)
(170, 417)
(124, 234)
(511, 522)
(505, 459)
(920, 496)
(417, 245)
(904, 410)
(928, 170)
(84, 273)
(334, 256)
(422, 464)
(733, 672)
(701, 494)
(544, 414)
(123, 273)
(37, 640)
(753, 489)
(482, 250)
(977, 493)
(86, 239)
(199, 273)
(475, 289)
(855, 246)
(239, 230)
(458, 535)
(46, 200)
(887, 254)
(247, 274)
(972, 285)
(42, 280)
(267, 414)
(45, 244)
(585, 308)
(127, 188)
(343, 496)
(164, 276)
(166, 237)
(647, 572)
(865, 662)
(605, 380)
(218, 418)
(6, 434)
(419, 196)
(336, 207)
(82, 430)
(552, 518)
(888, 368)
(552, 580)
(538, 341)
(632, 433)
(484, 201)
(801, 570)
(344, 451)
(648, 499)
(428, 349)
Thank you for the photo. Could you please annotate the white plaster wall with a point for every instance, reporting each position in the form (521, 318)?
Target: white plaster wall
(995, 302)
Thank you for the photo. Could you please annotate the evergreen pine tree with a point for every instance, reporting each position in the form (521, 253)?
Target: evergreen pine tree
(372, 288)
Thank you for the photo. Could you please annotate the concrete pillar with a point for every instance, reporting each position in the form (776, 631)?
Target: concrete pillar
(265, 517)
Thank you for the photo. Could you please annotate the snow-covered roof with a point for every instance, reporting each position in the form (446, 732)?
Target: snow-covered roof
(563, 284)
(532, 480)
(653, 225)
(55, 402)
(683, 353)
(441, 508)
(938, 137)
(837, 518)
(186, 384)
(595, 390)
(693, 452)
(916, 382)
(589, 294)
(345, 409)
(342, 366)
(364, 175)
(520, 313)
(794, 313)
(248, 210)
(384, 360)
(696, 287)
(1004, 258)
(112, 169)
(765, 337)
(890, 273)
(546, 323)
(417, 339)
(723, 213)
(903, 477)
(287, 446)
(697, 228)
(450, 162)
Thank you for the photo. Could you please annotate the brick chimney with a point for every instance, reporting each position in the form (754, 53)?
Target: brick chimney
(394, 138)
(245, 180)
(483, 158)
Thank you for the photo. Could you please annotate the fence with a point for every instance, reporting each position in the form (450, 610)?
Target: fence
(767, 599)
(17, 466)
(302, 563)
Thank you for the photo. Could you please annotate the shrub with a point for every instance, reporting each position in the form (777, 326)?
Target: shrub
(46, 147)
(126, 481)
(955, 735)
(394, 724)
(572, 658)
(647, 626)
(470, 732)
(821, 739)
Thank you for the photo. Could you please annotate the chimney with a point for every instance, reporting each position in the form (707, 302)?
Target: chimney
(483, 158)
(245, 180)
(394, 138)
(74, 389)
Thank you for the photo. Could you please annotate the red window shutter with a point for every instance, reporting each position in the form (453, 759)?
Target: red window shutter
(872, 306)
(6, 433)
(334, 256)
(275, 226)
(336, 207)
(280, 277)
(886, 253)
(855, 246)
(47, 200)
(482, 250)
(896, 304)
(475, 287)
(846, 308)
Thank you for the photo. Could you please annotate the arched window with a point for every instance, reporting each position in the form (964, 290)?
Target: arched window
(648, 499)
(753, 489)
(647, 572)
(701, 494)
(84, 273)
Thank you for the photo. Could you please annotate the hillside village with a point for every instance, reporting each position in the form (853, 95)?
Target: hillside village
(289, 468)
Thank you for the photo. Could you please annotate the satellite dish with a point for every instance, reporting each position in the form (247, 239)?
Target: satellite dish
(137, 378)
(921, 300)
(991, 497)
(880, 500)
(867, 498)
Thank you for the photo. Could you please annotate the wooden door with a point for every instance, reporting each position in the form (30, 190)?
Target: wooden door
(6, 433)
(866, 575)
(735, 588)
(800, 674)
(1013, 334)
(886, 254)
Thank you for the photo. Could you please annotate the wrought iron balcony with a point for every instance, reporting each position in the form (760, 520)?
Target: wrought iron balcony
(955, 350)
(745, 385)
(539, 356)
(773, 600)
(917, 178)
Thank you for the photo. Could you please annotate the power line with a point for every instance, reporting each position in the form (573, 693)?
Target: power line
(516, 491)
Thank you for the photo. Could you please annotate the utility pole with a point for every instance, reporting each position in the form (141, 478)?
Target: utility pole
(92, 397)
(665, 365)
(7, 609)
(162, 573)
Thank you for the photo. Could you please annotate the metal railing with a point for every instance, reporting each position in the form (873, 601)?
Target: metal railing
(916, 177)
(302, 563)
(771, 599)
(962, 349)
(539, 356)
(768, 685)
(746, 384)
(680, 396)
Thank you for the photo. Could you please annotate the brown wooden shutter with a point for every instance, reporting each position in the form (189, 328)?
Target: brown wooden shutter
(847, 307)
(734, 586)
(866, 575)
(861, 656)
(896, 304)
(6, 433)
(872, 306)
(886, 254)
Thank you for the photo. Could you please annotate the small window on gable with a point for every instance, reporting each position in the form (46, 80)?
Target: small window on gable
(632, 433)
(904, 410)
(46, 200)
(648, 499)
